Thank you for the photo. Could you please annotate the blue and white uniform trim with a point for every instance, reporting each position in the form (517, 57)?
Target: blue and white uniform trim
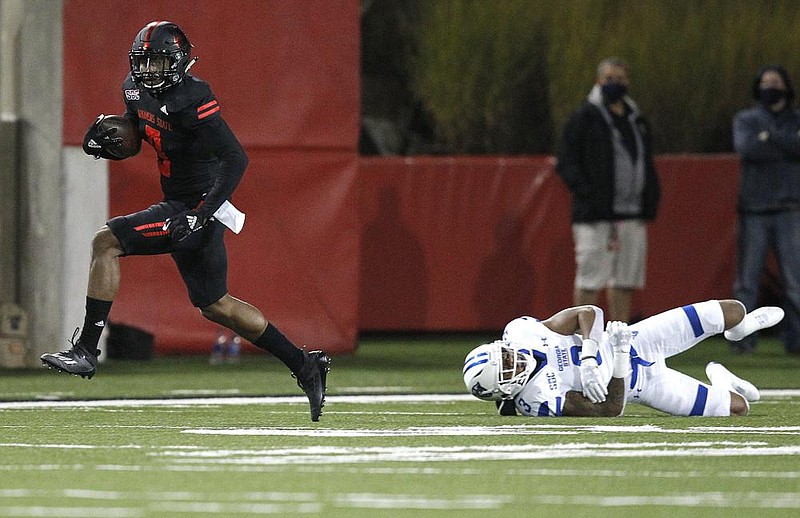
(694, 320)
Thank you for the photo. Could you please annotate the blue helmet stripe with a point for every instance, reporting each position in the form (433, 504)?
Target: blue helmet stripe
(473, 364)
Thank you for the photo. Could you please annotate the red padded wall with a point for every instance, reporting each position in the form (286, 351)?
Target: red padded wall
(286, 72)
(692, 253)
(460, 243)
(286, 76)
(470, 243)
(294, 259)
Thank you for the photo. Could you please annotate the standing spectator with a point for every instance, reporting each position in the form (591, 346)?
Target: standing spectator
(605, 158)
(767, 138)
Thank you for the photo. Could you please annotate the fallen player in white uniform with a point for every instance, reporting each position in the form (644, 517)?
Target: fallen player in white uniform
(568, 366)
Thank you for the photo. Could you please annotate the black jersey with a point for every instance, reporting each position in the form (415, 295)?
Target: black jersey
(198, 154)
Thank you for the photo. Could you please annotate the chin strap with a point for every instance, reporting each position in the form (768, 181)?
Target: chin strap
(190, 64)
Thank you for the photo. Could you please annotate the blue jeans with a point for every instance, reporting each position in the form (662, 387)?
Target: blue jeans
(758, 233)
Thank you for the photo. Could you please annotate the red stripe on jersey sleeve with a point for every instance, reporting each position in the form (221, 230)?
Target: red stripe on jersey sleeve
(207, 105)
(209, 108)
(207, 113)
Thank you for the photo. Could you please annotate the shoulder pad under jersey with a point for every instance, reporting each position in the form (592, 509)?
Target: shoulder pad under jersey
(193, 98)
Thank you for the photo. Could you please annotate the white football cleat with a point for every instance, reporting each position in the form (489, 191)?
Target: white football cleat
(721, 376)
(759, 318)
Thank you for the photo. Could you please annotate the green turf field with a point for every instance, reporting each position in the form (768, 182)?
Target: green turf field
(178, 437)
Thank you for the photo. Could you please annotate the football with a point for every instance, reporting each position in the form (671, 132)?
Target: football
(131, 138)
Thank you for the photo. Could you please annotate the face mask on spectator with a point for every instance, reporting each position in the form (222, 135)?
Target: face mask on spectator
(770, 96)
(613, 92)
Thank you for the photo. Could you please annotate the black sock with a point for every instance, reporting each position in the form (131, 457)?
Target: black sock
(273, 341)
(94, 322)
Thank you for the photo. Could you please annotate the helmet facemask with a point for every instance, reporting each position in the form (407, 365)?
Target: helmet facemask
(498, 370)
(153, 71)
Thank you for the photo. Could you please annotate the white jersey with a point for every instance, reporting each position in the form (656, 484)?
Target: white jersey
(650, 381)
(557, 365)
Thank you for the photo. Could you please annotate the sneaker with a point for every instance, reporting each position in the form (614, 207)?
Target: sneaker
(719, 375)
(312, 379)
(759, 318)
(77, 360)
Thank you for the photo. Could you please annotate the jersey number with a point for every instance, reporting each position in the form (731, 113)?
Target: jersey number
(153, 136)
(544, 408)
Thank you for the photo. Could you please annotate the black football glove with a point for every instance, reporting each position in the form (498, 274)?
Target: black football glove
(506, 407)
(183, 229)
(98, 140)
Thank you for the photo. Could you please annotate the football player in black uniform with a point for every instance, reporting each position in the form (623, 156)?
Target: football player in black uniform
(200, 162)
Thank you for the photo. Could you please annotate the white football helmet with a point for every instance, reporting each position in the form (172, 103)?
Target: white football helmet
(498, 371)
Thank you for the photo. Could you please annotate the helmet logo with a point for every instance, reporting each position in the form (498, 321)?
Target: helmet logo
(480, 392)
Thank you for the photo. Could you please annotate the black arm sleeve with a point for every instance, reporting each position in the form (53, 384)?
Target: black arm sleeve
(568, 153)
(218, 137)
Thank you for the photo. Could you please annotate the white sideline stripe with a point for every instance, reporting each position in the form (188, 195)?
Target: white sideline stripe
(384, 501)
(282, 400)
(712, 499)
(422, 431)
(542, 472)
(329, 456)
(339, 469)
(219, 401)
(170, 508)
(521, 429)
(69, 512)
(284, 503)
(94, 494)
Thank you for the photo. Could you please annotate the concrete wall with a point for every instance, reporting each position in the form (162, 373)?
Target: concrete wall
(31, 69)
(9, 242)
(9, 137)
(85, 211)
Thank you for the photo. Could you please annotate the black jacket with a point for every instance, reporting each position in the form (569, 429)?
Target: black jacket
(770, 168)
(586, 164)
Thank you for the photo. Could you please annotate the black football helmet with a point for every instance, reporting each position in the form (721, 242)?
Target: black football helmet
(160, 56)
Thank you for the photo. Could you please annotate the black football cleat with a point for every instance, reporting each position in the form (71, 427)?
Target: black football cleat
(312, 379)
(77, 360)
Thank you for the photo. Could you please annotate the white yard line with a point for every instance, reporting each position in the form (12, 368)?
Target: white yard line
(754, 500)
(219, 401)
(321, 455)
(281, 400)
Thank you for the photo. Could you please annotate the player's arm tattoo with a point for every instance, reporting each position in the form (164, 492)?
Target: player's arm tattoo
(575, 404)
